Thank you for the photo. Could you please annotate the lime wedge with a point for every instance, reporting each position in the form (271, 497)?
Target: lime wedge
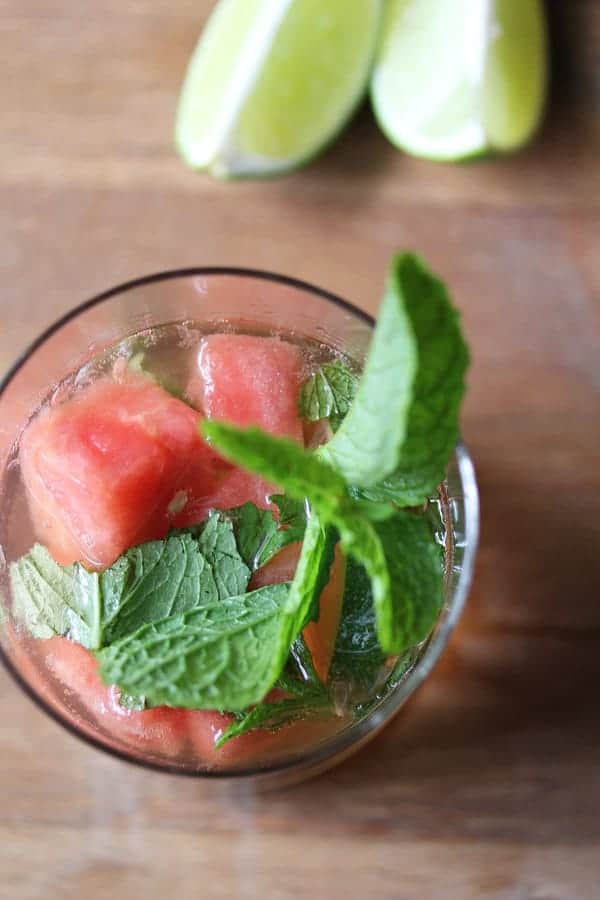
(460, 78)
(271, 82)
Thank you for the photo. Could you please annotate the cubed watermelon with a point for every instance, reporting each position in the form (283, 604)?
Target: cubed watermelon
(112, 467)
(255, 748)
(163, 730)
(250, 380)
(246, 380)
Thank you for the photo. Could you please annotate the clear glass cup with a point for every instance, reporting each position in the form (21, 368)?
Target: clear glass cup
(211, 298)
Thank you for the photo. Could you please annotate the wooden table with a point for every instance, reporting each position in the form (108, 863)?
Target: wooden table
(488, 785)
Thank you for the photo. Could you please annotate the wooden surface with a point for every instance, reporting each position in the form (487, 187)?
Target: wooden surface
(488, 785)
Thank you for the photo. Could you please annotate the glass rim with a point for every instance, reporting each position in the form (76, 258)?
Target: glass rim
(354, 735)
(171, 275)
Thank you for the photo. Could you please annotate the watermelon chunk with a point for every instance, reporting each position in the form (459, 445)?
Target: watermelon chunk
(250, 380)
(255, 747)
(113, 467)
(163, 729)
(246, 380)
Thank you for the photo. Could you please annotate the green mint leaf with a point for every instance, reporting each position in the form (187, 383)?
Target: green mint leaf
(415, 566)
(398, 436)
(255, 529)
(152, 581)
(367, 445)
(279, 460)
(271, 716)
(162, 578)
(400, 621)
(405, 567)
(358, 656)
(217, 543)
(220, 655)
(50, 599)
(432, 425)
(328, 394)
(312, 572)
(146, 584)
(259, 536)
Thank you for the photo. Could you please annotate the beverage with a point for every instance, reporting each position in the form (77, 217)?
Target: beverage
(113, 459)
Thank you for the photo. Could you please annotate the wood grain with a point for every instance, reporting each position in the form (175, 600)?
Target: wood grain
(488, 785)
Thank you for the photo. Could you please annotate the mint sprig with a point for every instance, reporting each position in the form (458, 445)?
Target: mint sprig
(305, 474)
(405, 414)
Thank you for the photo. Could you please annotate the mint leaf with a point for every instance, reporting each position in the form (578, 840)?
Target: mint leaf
(161, 578)
(220, 655)
(367, 445)
(217, 543)
(146, 584)
(358, 655)
(415, 565)
(405, 567)
(276, 714)
(259, 536)
(50, 599)
(432, 425)
(279, 460)
(328, 394)
(398, 436)
(311, 576)
(255, 530)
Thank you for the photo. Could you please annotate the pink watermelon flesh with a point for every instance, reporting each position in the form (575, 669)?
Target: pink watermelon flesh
(250, 381)
(164, 730)
(246, 380)
(108, 469)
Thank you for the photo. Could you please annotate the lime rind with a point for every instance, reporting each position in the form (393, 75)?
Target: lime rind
(460, 79)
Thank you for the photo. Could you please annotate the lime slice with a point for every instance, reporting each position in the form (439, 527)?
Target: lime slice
(272, 81)
(459, 78)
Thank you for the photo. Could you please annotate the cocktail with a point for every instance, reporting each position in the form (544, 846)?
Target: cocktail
(236, 529)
